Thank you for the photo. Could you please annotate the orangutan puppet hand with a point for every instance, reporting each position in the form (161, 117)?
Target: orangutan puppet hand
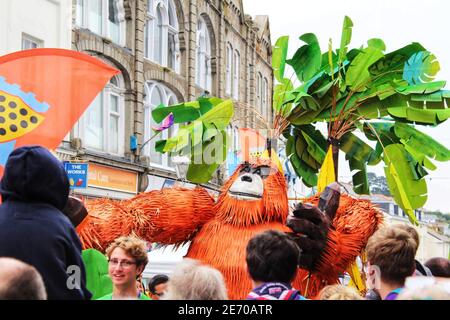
(311, 225)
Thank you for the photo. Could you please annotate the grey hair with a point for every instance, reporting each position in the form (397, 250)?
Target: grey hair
(192, 280)
(429, 292)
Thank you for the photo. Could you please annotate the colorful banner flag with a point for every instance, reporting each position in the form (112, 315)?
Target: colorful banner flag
(252, 144)
(43, 93)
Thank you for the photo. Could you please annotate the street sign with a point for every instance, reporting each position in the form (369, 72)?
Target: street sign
(77, 173)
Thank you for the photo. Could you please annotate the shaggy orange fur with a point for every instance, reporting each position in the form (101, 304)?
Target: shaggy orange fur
(220, 231)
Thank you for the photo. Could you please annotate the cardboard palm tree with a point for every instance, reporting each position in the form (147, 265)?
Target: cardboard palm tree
(386, 96)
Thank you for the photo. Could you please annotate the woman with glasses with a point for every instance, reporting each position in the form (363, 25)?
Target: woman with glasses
(127, 258)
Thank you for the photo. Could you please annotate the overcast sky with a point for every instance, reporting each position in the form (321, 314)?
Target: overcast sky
(397, 22)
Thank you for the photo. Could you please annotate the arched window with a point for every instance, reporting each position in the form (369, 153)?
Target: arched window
(232, 72)
(229, 69)
(161, 34)
(158, 37)
(237, 61)
(102, 126)
(203, 65)
(259, 85)
(157, 95)
(264, 94)
(104, 17)
(173, 50)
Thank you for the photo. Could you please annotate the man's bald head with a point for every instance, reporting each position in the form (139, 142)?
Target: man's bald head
(20, 281)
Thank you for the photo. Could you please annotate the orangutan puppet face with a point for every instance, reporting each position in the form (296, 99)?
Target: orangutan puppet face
(249, 184)
(255, 193)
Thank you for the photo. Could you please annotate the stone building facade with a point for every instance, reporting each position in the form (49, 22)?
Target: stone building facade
(168, 51)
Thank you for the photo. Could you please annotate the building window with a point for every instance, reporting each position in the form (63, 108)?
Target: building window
(156, 95)
(203, 63)
(161, 34)
(232, 72)
(29, 42)
(236, 62)
(264, 93)
(102, 126)
(259, 91)
(103, 17)
(229, 69)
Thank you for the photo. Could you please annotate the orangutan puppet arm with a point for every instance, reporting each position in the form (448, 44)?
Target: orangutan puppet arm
(329, 248)
(169, 216)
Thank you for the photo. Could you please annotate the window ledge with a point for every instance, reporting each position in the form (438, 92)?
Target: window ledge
(161, 167)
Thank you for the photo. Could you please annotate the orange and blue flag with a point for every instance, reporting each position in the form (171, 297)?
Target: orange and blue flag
(43, 93)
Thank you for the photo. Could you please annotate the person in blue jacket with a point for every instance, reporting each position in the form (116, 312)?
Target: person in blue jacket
(33, 228)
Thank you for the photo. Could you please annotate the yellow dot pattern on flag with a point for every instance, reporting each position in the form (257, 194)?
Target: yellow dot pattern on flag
(16, 117)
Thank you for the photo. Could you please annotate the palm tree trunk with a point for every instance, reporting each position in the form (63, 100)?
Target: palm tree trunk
(335, 151)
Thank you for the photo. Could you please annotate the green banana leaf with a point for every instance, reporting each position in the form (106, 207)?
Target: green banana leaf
(290, 145)
(295, 151)
(402, 107)
(421, 67)
(408, 192)
(382, 132)
(309, 177)
(308, 58)
(355, 148)
(421, 88)
(421, 142)
(279, 54)
(395, 60)
(98, 281)
(207, 103)
(279, 96)
(375, 108)
(433, 100)
(324, 89)
(315, 134)
(375, 157)
(205, 163)
(419, 157)
(314, 149)
(218, 118)
(183, 112)
(420, 116)
(345, 39)
(186, 111)
(359, 178)
(301, 149)
(358, 75)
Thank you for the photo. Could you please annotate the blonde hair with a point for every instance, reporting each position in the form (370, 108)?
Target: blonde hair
(392, 250)
(339, 292)
(133, 246)
(194, 281)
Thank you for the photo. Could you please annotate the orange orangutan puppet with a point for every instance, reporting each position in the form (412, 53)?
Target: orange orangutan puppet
(253, 200)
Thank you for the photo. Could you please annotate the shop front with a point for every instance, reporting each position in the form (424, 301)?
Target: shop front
(109, 182)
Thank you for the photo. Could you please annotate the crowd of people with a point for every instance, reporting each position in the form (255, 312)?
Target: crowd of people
(40, 253)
